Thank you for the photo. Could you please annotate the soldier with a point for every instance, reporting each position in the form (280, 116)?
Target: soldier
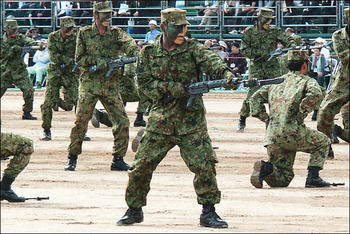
(61, 45)
(289, 104)
(13, 69)
(257, 42)
(96, 44)
(163, 69)
(338, 96)
(21, 149)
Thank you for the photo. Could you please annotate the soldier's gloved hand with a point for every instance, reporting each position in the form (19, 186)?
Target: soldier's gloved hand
(231, 81)
(253, 82)
(176, 89)
(16, 49)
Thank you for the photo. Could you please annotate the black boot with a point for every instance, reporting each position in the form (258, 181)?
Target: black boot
(337, 132)
(28, 116)
(6, 192)
(139, 122)
(314, 115)
(71, 163)
(209, 218)
(46, 135)
(86, 138)
(313, 179)
(118, 164)
(55, 107)
(241, 124)
(330, 153)
(261, 170)
(132, 215)
(95, 120)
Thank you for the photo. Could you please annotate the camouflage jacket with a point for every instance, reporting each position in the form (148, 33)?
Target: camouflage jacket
(156, 67)
(289, 103)
(61, 51)
(341, 43)
(94, 49)
(259, 43)
(10, 59)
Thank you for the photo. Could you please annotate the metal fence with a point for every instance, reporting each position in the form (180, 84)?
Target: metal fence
(321, 22)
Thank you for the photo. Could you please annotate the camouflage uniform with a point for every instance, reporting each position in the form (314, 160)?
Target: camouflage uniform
(160, 73)
(345, 134)
(20, 148)
(339, 94)
(289, 103)
(13, 69)
(95, 49)
(256, 44)
(59, 73)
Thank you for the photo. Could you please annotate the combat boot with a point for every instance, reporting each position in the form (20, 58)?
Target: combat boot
(139, 122)
(261, 170)
(28, 116)
(314, 115)
(46, 135)
(132, 215)
(337, 131)
(55, 107)
(241, 124)
(6, 192)
(118, 164)
(86, 138)
(95, 120)
(330, 153)
(71, 163)
(135, 143)
(209, 218)
(313, 179)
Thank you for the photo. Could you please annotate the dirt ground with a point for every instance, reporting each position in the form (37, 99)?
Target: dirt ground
(91, 199)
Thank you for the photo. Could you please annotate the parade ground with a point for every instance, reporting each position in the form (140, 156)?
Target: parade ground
(91, 199)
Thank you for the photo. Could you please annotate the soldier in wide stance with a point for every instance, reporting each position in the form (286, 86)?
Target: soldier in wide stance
(13, 69)
(96, 44)
(163, 69)
(289, 104)
(21, 149)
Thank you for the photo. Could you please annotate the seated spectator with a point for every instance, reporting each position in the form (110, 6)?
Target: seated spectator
(41, 60)
(64, 8)
(329, 8)
(222, 51)
(209, 12)
(247, 8)
(326, 53)
(82, 10)
(317, 70)
(33, 33)
(230, 10)
(308, 11)
(151, 34)
(236, 59)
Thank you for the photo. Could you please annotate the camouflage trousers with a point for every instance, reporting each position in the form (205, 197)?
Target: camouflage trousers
(196, 151)
(107, 92)
(20, 148)
(245, 109)
(282, 156)
(20, 78)
(55, 81)
(345, 135)
(331, 105)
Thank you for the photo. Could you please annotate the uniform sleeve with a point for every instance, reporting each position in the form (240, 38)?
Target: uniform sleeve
(246, 46)
(81, 57)
(286, 40)
(53, 50)
(29, 42)
(152, 88)
(256, 103)
(341, 48)
(312, 99)
(128, 45)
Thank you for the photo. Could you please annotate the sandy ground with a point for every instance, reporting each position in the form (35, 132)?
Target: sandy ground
(91, 199)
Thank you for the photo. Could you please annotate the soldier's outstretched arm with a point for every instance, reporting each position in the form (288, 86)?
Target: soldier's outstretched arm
(256, 103)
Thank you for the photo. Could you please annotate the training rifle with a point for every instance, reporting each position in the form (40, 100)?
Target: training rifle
(337, 184)
(37, 198)
(198, 88)
(114, 64)
(280, 51)
(26, 49)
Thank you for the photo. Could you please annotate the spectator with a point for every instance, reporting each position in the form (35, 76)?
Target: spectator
(64, 8)
(298, 40)
(289, 9)
(329, 8)
(33, 33)
(236, 59)
(41, 59)
(309, 9)
(81, 11)
(222, 51)
(326, 53)
(230, 10)
(151, 34)
(318, 67)
(209, 12)
(245, 10)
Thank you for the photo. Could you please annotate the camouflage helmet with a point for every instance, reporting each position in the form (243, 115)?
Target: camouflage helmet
(11, 23)
(174, 15)
(67, 21)
(103, 7)
(266, 13)
(297, 55)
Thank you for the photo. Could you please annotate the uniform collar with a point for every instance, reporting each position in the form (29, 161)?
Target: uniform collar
(95, 30)
(161, 51)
